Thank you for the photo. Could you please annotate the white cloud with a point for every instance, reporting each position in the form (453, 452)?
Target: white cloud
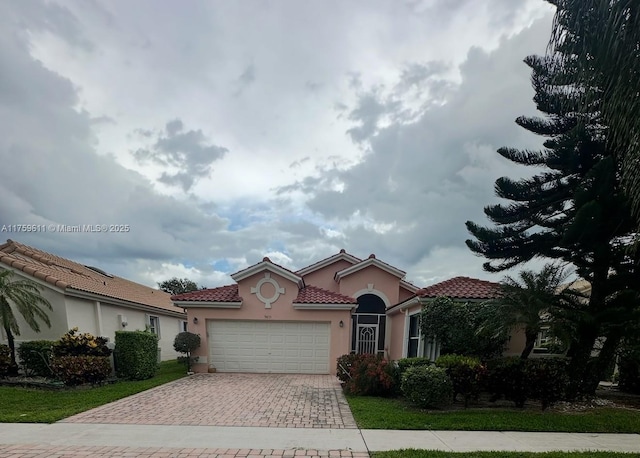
(287, 129)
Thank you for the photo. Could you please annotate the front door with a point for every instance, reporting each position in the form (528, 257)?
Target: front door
(368, 325)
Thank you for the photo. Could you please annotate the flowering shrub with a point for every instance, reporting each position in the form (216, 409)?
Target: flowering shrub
(80, 369)
(371, 375)
(74, 344)
(427, 386)
(80, 358)
(343, 368)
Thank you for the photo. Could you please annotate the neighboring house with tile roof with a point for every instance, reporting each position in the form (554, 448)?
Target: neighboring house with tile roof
(91, 299)
(275, 320)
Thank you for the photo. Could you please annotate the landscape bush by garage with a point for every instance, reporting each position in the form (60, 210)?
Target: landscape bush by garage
(5, 361)
(427, 386)
(466, 374)
(136, 354)
(343, 367)
(371, 375)
(185, 342)
(35, 357)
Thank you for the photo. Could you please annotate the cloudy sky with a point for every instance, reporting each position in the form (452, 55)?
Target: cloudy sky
(221, 132)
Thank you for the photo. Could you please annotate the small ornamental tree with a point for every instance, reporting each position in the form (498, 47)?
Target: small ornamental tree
(186, 342)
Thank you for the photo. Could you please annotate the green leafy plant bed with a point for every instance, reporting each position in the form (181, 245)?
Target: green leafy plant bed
(385, 413)
(438, 454)
(30, 405)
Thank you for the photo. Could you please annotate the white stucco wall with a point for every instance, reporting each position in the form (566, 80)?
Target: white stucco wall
(57, 316)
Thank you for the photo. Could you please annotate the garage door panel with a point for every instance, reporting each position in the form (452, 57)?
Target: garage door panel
(269, 346)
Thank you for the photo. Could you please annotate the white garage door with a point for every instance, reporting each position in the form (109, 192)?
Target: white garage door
(269, 346)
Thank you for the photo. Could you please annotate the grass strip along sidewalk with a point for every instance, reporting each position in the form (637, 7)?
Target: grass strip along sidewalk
(385, 413)
(29, 405)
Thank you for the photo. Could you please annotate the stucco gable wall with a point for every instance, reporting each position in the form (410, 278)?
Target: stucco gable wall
(380, 280)
(404, 294)
(250, 300)
(324, 277)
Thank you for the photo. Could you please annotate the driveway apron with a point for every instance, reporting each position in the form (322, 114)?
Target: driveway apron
(224, 399)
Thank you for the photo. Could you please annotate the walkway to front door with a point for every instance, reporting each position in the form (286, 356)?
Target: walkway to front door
(272, 400)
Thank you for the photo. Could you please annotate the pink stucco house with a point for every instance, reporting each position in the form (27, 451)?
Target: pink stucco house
(276, 320)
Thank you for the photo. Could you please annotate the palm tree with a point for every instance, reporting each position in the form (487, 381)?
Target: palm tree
(25, 295)
(528, 303)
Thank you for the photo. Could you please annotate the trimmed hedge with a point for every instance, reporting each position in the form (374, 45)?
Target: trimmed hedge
(5, 360)
(343, 366)
(427, 386)
(506, 378)
(466, 374)
(406, 363)
(629, 370)
(547, 379)
(79, 369)
(35, 357)
(517, 379)
(136, 354)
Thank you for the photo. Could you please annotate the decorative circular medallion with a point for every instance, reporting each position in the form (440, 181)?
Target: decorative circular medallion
(267, 301)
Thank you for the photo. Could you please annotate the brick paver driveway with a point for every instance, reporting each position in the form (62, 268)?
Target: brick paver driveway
(272, 400)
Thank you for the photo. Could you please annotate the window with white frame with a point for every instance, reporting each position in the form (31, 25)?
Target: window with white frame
(154, 325)
(183, 326)
(414, 336)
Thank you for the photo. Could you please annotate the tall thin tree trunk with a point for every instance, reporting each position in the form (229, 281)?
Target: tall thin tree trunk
(12, 345)
(530, 342)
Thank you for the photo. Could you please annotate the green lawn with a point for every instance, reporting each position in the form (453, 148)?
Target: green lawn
(434, 454)
(383, 413)
(26, 405)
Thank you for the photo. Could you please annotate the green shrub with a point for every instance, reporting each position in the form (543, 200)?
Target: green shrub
(466, 374)
(136, 354)
(506, 377)
(371, 375)
(427, 386)
(343, 367)
(547, 379)
(85, 344)
(406, 363)
(186, 342)
(34, 357)
(6, 368)
(79, 369)
(629, 370)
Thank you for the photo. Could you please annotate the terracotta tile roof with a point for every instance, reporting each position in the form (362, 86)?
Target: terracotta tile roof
(315, 295)
(69, 275)
(461, 288)
(228, 293)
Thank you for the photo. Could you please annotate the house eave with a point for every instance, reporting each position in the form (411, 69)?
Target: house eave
(324, 306)
(367, 263)
(129, 304)
(208, 305)
(261, 267)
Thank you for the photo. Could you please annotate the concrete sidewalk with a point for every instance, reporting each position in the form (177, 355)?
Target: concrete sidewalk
(248, 441)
